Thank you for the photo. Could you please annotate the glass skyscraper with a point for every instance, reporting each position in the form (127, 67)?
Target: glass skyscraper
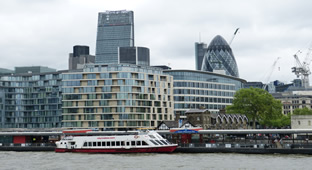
(115, 29)
(134, 55)
(219, 56)
(200, 49)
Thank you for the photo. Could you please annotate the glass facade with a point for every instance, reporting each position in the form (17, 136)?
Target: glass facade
(31, 101)
(134, 55)
(197, 89)
(115, 29)
(117, 97)
(80, 50)
(219, 56)
(200, 49)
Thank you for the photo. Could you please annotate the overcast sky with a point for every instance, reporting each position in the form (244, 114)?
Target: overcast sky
(43, 32)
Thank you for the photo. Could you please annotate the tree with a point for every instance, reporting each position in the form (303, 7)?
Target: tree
(257, 104)
(303, 111)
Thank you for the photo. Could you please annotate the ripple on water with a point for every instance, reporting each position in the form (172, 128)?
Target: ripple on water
(83, 161)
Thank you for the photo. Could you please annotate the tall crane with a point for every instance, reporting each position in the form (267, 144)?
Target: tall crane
(230, 42)
(302, 69)
(268, 76)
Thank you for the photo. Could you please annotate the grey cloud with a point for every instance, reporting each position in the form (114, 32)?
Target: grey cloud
(44, 32)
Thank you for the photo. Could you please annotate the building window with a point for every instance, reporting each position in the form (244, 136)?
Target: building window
(298, 122)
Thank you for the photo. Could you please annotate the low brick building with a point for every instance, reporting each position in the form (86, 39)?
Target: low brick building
(207, 120)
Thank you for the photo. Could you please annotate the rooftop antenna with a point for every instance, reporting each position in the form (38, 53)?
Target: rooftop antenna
(199, 38)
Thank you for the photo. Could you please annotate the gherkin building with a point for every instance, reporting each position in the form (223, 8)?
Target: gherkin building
(219, 56)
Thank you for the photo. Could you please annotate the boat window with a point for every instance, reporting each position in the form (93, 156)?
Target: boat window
(85, 144)
(154, 142)
(122, 143)
(108, 144)
(132, 143)
(99, 144)
(144, 143)
(138, 143)
(167, 141)
(151, 136)
(61, 143)
(128, 143)
(103, 143)
(118, 143)
(162, 141)
(158, 142)
(94, 143)
(113, 143)
(89, 143)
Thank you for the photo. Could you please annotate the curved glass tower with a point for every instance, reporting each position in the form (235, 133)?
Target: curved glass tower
(219, 56)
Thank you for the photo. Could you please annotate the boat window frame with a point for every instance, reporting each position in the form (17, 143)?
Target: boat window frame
(158, 142)
(144, 143)
(153, 141)
(165, 143)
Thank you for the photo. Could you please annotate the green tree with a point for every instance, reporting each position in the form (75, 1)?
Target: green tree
(303, 111)
(257, 104)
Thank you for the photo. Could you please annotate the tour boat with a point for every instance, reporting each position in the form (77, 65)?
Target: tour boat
(149, 141)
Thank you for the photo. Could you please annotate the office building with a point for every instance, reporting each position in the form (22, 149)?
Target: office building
(200, 89)
(115, 29)
(33, 69)
(117, 97)
(200, 50)
(292, 100)
(219, 56)
(134, 55)
(4, 71)
(80, 57)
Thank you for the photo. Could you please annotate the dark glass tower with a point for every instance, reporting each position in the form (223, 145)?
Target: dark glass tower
(200, 49)
(115, 29)
(81, 50)
(219, 56)
(134, 55)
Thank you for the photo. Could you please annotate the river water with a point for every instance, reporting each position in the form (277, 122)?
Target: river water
(147, 161)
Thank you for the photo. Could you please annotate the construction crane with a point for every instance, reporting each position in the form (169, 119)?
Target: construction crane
(230, 42)
(268, 76)
(302, 69)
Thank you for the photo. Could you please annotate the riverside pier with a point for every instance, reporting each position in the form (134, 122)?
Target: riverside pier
(259, 141)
